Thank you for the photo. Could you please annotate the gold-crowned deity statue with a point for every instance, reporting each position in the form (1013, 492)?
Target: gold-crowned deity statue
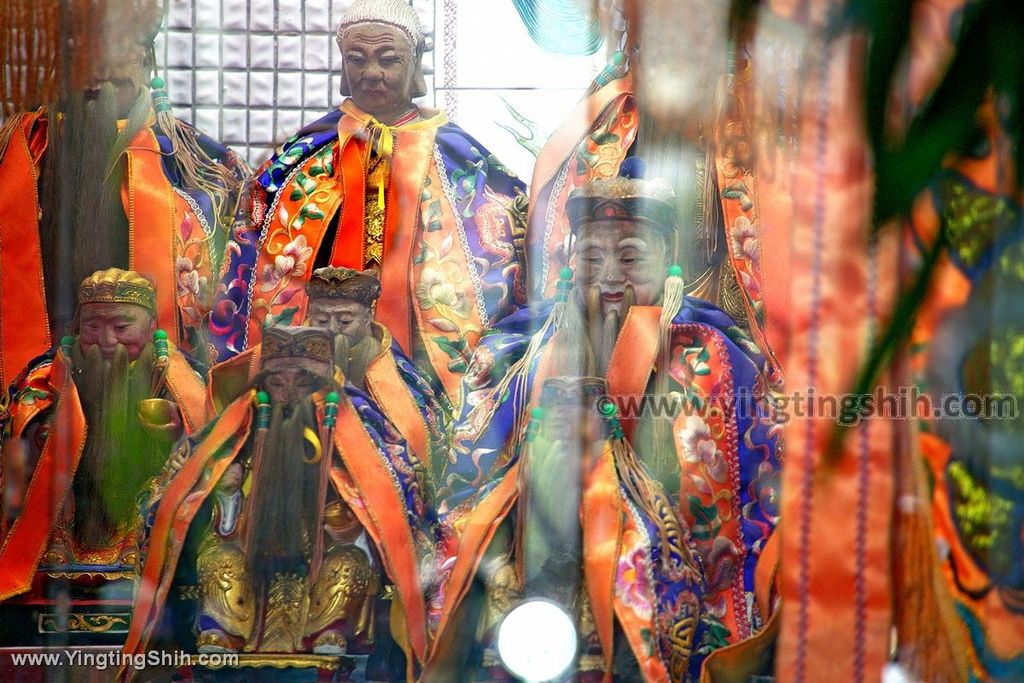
(86, 427)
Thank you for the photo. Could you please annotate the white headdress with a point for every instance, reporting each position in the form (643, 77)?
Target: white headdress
(396, 13)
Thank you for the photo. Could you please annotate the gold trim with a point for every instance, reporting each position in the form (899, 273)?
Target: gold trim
(282, 661)
(109, 576)
(85, 623)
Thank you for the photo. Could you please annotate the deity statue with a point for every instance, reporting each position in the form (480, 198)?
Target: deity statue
(85, 427)
(107, 177)
(341, 300)
(624, 116)
(387, 185)
(278, 525)
(693, 397)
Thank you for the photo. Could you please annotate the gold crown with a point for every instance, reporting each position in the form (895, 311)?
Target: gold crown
(344, 283)
(298, 342)
(116, 286)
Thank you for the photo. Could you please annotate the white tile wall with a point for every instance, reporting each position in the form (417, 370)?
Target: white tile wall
(251, 72)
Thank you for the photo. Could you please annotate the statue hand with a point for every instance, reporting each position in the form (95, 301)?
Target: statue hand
(231, 482)
(178, 460)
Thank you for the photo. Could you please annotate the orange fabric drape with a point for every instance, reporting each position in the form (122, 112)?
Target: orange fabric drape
(24, 326)
(836, 539)
(48, 489)
(149, 203)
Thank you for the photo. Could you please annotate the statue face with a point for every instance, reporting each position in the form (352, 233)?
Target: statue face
(340, 316)
(124, 65)
(110, 324)
(293, 379)
(612, 255)
(380, 67)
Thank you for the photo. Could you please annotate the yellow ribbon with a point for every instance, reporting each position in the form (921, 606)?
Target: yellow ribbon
(382, 141)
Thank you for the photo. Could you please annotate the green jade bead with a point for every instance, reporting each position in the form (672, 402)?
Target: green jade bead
(608, 409)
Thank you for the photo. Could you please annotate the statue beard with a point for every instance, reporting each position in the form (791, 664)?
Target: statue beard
(550, 514)
(354, 359)
(119, 456)
(284, 495)
(83, 227)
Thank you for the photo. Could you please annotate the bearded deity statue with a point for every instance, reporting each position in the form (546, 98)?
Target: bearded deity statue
(277, 527)
(341, 300)
(386, 185)
(103, 177)
(85, 427)
(692, 394)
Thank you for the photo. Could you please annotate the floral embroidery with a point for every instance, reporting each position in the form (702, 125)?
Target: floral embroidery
(698, 446)
(190, 282)
(633, 581)
(744, 239)
(436, 293)
(193, 269)
(291, 262)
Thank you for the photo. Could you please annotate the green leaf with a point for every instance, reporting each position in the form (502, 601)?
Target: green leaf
(29, 396)
(946, 123)
(434, 217)
(312, 212)
(604, 138)
(285, 317)
(296, 194)
(459, 366)
(448, 347)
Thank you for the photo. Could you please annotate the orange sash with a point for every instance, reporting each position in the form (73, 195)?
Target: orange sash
(409, 165)
(173, 518)
(188, 391)
(410, 161)
(483, 521)
(633, 357)
(24, 327)
(396, 402)
(836, 581)
(149, 202)
(602, 531)
(349, 244)
(382, 514)
(47, 490)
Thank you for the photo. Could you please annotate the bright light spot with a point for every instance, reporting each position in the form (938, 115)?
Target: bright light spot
(537, 640)
(894, 673)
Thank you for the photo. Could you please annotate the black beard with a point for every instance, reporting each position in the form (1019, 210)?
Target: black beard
(83, 227)
(285, 495)
(119, 456)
